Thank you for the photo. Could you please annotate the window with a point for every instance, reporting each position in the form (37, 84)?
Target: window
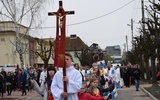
(2, 39)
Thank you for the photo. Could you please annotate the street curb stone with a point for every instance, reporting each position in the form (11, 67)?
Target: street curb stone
(150, 95)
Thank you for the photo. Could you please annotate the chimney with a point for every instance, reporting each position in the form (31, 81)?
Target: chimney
(73, 36)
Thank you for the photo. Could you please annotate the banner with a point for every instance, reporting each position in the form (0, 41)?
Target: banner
(60, 43)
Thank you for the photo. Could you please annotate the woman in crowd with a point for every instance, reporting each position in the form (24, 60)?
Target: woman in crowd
(44, 89)
(18, 81)
(31, 76)
(96, 71)
(9, 84)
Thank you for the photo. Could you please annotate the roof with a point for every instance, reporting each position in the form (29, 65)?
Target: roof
(11, 22)
(74, 43)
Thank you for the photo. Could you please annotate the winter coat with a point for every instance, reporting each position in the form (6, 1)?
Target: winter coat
(1, 82)
(87, 96)
(43, 90)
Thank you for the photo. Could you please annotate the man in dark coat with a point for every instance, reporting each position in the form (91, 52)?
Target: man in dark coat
(23, 80)
(3, 72)
(136, 74)
(1, 84)
(127, 75)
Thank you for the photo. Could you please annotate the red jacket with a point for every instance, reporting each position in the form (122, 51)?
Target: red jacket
(50, 97)
(87, 96)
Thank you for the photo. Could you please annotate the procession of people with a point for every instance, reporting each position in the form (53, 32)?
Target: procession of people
(71, 81)
(97, 82)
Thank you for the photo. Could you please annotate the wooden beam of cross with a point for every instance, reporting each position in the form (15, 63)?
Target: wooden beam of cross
(60, 43)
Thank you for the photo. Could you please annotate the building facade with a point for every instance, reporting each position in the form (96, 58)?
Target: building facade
(10, 57)
(97, 53)
(8, 53)
(74, 45)
(114, 52)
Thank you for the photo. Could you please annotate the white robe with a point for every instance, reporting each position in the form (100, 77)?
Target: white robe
(112, 75)
(118, 77)
(73, 86)
(105, 72)
(43, 75)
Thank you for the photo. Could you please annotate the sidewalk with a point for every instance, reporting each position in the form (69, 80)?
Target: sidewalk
(131, 94)
(16, 95)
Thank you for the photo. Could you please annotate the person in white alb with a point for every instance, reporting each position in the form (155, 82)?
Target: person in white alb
(73, 78)
(119, 76)
(43, 75)
(82, 70)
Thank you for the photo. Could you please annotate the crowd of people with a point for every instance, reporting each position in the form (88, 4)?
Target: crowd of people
(97, 82)
(110, 78)
(18, 80)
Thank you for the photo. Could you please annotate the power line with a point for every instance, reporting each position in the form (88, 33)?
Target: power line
(92, 18)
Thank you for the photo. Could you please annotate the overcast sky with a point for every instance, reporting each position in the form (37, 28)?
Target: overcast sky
(95, 21)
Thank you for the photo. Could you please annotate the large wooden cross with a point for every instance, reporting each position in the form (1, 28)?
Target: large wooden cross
(60, 44)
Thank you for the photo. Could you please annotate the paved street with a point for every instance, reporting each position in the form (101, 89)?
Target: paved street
(16, 95)
(123, 94)
(132, 94)
(35, 97)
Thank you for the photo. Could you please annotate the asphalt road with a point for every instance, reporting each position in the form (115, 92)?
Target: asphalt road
(131, 94)
(123, 94)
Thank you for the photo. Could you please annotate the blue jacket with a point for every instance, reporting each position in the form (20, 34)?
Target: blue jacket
(23, 77)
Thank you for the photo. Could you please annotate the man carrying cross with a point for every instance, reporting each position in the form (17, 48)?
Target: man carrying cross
(67, 82)
(73, 79)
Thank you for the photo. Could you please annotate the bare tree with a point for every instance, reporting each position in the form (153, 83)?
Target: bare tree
(20, 12)
(45, 50)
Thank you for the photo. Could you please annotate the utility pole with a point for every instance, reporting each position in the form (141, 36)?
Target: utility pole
(143, 20)
(132, 29)
(124, 50)
(131, 25)
(127, 42)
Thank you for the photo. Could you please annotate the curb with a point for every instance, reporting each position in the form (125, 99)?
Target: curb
(150, 95)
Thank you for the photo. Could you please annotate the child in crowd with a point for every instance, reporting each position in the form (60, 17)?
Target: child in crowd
(82, 95)
(93, 90)
(87, 81)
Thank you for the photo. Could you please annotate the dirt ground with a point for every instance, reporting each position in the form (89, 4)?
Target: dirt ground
(154, 89)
